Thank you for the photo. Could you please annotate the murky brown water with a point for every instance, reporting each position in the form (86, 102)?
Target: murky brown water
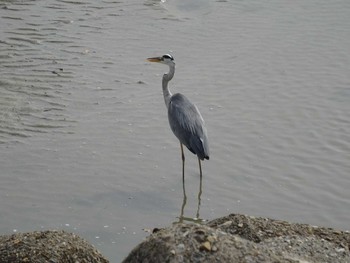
(84, 140)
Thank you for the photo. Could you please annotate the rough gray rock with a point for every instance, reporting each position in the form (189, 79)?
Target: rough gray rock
(239, 238)
(47, 247)
(235, 238)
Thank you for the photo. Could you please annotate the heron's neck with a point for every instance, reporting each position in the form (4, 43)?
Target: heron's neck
(166, 78)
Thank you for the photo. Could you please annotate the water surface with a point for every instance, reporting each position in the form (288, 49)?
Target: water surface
(84, 139)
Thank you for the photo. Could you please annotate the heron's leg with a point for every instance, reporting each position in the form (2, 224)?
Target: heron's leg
(183, 184)
(200, 168)
(200, 189)
(183, 163)
(184, 201)
(182, 152)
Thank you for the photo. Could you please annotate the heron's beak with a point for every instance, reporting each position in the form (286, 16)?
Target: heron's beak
(155, 59)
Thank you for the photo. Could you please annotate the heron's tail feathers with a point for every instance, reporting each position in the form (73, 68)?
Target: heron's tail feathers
(199, 147)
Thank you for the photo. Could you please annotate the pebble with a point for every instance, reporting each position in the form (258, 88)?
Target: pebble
(205, 246)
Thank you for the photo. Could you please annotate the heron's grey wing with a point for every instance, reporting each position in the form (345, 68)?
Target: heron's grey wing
(188, 125)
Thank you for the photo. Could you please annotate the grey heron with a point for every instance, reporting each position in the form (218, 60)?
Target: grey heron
(185, 120)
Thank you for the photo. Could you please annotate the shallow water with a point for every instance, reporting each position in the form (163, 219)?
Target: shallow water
(84, 136)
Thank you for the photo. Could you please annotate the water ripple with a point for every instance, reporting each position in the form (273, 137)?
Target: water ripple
(35, 78)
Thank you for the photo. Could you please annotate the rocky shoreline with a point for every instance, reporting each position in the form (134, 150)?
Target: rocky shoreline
(47, 247)
(234, 238)
(241, 238)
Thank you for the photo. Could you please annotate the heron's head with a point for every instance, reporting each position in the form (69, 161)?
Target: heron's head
(165, 59)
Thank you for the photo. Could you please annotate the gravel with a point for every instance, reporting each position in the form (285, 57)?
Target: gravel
(47, 247)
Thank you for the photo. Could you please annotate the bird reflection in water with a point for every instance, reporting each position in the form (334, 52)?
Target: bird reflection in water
(183, 218)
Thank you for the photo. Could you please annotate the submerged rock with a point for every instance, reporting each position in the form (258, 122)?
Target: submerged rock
(47, 247)
(239, 238)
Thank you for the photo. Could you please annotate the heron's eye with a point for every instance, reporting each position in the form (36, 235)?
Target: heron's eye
(167, 56)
